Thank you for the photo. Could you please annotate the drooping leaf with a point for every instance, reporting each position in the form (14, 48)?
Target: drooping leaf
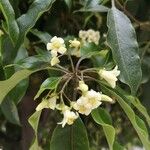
(33, 62)
(9, 14)
(70, 137)
(122, 40)
(140, 108)
(10, 111)
(43, 36)
(68, 3)
(50, 83)
(34, 122)
(28, 20)
(7, 85)
(93, 6)
(28, 66)
(136, 122)
(101, 117)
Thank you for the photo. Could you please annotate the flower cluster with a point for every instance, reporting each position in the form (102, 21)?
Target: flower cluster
(89, 99)
(89, 36)
(56, 46)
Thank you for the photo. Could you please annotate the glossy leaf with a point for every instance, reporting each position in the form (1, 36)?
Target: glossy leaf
(93, 6)
(33, 62)
(43, 36)
(10, 111)
(9, 14)
(70, 137)
(48, 84)
(140, 108)
(89, 48)
(122, 40)
(28, 20)
(137, 122)
(7, 85)
(101, 117)
(34, 122)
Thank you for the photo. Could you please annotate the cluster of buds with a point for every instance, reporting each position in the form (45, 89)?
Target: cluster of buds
(89, 36)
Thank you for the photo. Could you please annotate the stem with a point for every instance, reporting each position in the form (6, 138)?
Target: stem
(78, 63)
(72, 65)
(62, 68)
(113, 3)
(58, 69)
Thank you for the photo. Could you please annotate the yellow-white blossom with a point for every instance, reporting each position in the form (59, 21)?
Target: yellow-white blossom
(94, 98)
(110, 76)
(69, 117)
(83, 35)
(56, 44)
(87, 102)
(54, 61)
(83, 106)
(83, 87)
(89, 36)
(74, 43)
(48, 103)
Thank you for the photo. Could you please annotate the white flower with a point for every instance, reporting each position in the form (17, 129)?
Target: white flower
(87, 102)
(69, 117)
(110, 76)
(83, 106)
(54, 61)
(48, 103)
(83, 35)
(74, 43)
(94, 98)
(89, 36)
(83, 87)
(57, 44)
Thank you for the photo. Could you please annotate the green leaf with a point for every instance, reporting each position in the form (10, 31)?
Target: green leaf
(7, 85)
(43, 36)
(140, 108)
(122, 40)
(49, 83)
(10, 111)
(89, 48)
(9, 14)
(93, 6)
(28, 20)
(101, 117)
(137, 123)
(68, 3)
(34, 62)
(72, 137)
(34, 122)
